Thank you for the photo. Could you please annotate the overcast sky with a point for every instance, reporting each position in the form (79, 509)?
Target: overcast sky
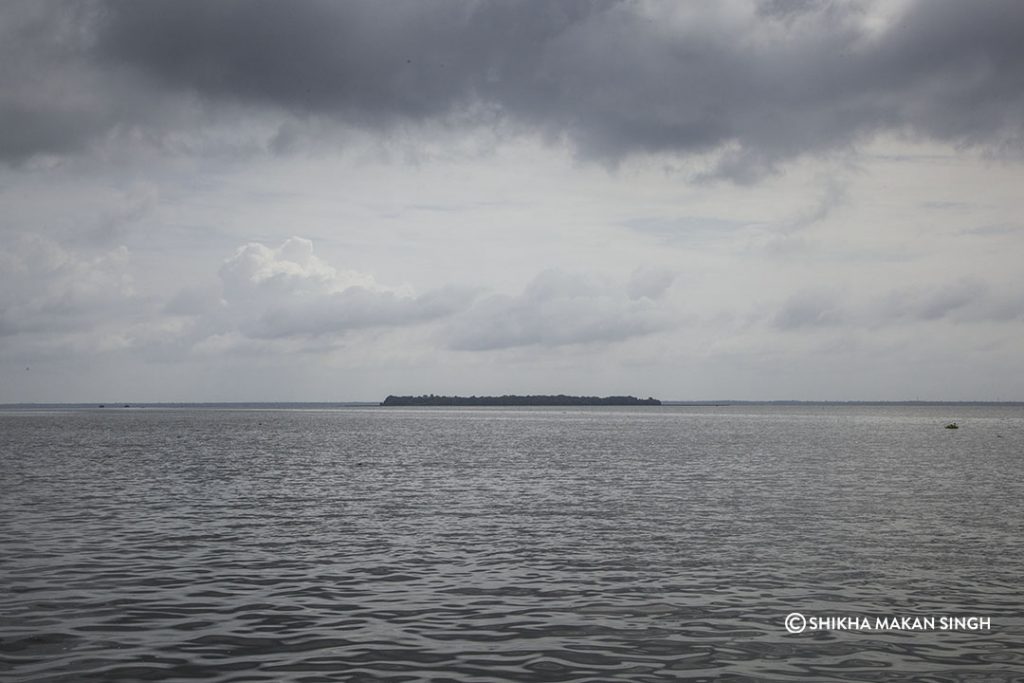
(321, 201)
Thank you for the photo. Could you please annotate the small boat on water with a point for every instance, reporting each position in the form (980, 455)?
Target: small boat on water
(952, 425)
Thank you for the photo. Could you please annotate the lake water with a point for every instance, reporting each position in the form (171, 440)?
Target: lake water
(593, 544)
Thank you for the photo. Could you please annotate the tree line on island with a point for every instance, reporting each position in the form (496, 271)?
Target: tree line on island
(513, 400)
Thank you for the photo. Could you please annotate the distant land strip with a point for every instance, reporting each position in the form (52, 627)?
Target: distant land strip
(512, 400)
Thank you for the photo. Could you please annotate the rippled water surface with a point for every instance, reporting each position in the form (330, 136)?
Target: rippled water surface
(649, 544)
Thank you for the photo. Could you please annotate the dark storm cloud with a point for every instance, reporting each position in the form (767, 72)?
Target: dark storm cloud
(41, 56)
(763, 83)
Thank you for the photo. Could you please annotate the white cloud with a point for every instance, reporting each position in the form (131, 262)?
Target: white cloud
(288, 292)
(291, 269)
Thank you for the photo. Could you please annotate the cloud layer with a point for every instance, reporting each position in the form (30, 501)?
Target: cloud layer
(753, 83)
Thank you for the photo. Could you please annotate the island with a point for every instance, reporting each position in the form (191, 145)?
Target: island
(512, 400)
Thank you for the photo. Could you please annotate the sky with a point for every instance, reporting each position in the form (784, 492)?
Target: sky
(326, 201)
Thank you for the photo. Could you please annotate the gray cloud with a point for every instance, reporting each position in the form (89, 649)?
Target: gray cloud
(934, 303)
(49, 288)
(833, 196)
(289, 292)
(356, 308)
(557, 309)
(761, 83)
(967, 299)
(43, 107)
(810, 309)
(651, 283)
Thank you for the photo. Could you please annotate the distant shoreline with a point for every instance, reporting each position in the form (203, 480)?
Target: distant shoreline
(515, 400)
(328, 405)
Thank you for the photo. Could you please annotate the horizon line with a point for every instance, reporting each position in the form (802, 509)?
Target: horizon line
(371, 403)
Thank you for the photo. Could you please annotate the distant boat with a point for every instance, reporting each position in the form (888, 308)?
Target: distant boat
(952, 425)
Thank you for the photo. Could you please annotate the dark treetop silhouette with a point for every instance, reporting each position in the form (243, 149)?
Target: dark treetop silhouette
(512, 400)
